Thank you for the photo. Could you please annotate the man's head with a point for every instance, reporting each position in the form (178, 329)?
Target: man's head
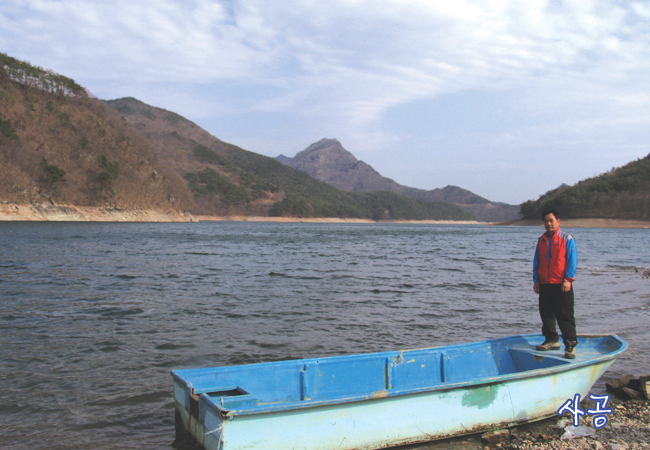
(551, 221)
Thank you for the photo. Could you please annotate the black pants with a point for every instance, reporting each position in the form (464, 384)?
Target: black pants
(557, 305)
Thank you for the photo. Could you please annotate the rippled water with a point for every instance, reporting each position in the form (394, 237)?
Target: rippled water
(94, 316)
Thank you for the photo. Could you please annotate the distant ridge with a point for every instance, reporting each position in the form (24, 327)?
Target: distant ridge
(65, 155)
(62, 150)
(283, 159)
(622, 193)
(327, 160)
(60, 146)
(229, 181)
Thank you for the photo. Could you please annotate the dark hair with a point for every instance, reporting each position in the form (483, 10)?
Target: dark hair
(550, 211)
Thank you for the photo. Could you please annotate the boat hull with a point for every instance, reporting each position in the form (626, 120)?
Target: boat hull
(386, 419)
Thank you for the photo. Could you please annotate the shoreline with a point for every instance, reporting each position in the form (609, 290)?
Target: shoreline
(583, 223)
(48, 212)
(323, 220)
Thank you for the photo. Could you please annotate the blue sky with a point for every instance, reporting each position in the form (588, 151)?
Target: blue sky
(508, 99)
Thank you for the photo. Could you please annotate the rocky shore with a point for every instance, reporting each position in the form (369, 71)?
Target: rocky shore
(47, 212)
(60, 213)
(320, 220)
(626, 427)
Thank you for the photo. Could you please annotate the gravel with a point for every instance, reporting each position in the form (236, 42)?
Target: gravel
(627, 428)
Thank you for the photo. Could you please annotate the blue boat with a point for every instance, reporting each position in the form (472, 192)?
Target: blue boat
(378, 400)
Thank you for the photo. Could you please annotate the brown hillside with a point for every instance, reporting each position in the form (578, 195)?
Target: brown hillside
(173, 136)
(229, 181)
(66, 156)
(220, 187)
(67, 147)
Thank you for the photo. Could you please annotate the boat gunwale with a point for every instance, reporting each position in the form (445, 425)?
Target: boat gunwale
(567, 366)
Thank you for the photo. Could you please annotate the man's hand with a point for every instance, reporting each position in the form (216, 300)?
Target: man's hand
(536, 288)
(566, 286)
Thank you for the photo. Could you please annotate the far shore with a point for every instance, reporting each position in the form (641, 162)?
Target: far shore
(10, 212)
(322, 220)
(585, 223)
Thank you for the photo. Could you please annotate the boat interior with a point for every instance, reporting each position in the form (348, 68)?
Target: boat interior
(338, 378)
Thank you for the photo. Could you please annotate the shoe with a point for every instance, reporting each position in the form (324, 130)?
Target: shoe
(570, 352)
(548, 345)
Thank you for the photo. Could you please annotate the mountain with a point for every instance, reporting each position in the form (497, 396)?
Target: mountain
(58, 144)
(283, 159)
(328, 161)
(61, 147)
(621, 193)
(228, 180)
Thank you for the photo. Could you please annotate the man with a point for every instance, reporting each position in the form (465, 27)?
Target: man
(554, 270)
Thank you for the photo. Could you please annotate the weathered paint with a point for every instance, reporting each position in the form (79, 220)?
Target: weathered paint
(517, 385)
(481, 397)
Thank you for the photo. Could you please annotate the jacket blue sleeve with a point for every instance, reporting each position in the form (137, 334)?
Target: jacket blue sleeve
(536, 265)
(571, 259)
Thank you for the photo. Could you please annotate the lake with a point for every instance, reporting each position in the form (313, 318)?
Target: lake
(94, 316)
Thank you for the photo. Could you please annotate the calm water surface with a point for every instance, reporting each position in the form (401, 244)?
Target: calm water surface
(94, 316)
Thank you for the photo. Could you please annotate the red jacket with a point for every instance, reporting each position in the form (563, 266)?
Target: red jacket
(556, 258)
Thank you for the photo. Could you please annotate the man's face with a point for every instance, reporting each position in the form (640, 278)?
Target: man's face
(551, 223)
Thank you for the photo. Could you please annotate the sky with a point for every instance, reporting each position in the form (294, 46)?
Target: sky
(508, 99)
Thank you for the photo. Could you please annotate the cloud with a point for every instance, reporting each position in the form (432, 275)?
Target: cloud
(370, 59)
(374, 54)
(161, 41)
(574, 72)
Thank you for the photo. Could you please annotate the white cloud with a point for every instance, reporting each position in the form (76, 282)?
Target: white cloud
(339, 68)
(162, 41)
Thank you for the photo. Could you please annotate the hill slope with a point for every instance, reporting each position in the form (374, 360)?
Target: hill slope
(328, 161)
(59, 144)
(228, 180)
(621, 193)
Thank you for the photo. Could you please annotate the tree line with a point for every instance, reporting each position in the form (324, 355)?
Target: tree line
(621, 193)
(33, 76)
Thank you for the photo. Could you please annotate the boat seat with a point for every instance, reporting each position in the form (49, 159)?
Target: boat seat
(529, 359)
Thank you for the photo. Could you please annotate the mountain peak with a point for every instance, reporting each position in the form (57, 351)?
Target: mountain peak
(324, 144)
(328, 161)
(325, 152)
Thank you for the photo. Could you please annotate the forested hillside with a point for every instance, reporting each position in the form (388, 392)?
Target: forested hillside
(621, 193)
(58, 144)
(227, 180)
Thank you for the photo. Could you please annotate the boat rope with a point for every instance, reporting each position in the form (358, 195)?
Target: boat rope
(218, 429)
(638, 357)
